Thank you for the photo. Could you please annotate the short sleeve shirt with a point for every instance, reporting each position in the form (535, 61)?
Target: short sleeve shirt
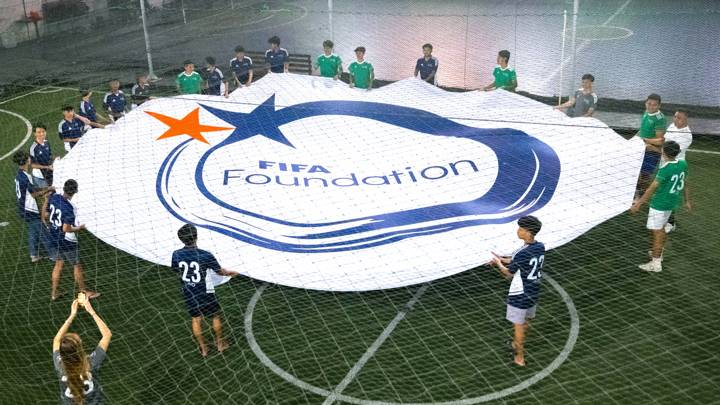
(87, 110)
(215, 80)
(91, 383)
(26, 205)
(189, 83)
(671, 179)
(61, 211)
(426, 67)
(277, 59)
(650, 123)
(40, 153)
(583, 103)
(193, 265)
(682, 136)
(71, 129)
(361, 72)
(115, 102)
(241, 68)
(330, 66)
(526, 267)
(141, 94)
(504, 77)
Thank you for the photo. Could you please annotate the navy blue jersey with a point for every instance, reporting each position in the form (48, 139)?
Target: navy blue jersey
(141, 94)
(87, 110)
(61, 211)
(192, 265)
(26, 206)
(115, 102)
(71, 129)
(40, 153)
(526, 267)
(277, 59)
(426, 67)
(215, 79)
(241, 68)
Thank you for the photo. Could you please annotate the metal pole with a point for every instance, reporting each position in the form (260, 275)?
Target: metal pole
(562, 56)
(576, 8)
(182, 6)
(151, 73)
(330, 21)
(25, 14)
(232, 5)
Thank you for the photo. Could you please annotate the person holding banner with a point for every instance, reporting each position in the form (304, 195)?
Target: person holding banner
(524, 268)
(583, 102)
(194, 266)
(664, 196)
(652, 132)
(505, 76)
(361, 71)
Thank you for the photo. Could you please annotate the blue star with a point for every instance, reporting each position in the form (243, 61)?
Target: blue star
(263, 120)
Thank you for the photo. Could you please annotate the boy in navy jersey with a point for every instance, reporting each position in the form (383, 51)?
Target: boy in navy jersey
(241, 67)
(71, 128)
(87, 109)
(193, 266)
(60, 214)
(525, 270)
(27, 207)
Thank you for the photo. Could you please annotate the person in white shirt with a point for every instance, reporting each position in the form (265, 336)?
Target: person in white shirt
(678, 131)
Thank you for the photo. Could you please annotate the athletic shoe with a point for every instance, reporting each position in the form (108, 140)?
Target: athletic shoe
(669, 227)
(662, 254)
(651, 267)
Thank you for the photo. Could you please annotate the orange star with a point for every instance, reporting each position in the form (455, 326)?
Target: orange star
(188, 125)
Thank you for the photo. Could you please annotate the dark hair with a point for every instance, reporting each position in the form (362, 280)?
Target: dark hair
(530, 224)
(68, 108)
(85, 92)
(428, 46)
(39, 125)
(187, 234)
(239, 49)
(187, 62)
(671, 149)
(210, 60)
(683, 111)
(70, 187)
(655, 97)
(20, 157)
(360, 49)
(328, 43)
(141, 74)
(504, 54)
(274, 40)
(588, 76)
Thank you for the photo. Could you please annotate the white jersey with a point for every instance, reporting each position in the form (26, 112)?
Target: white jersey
(682, 136)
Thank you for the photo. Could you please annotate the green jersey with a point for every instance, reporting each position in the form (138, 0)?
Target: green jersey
(361, 71)
(189, 83)
(330, 66)
(671, 179)
(651, 123)
(504, 78)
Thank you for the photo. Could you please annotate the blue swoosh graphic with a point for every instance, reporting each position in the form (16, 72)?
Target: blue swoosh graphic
(528, 173)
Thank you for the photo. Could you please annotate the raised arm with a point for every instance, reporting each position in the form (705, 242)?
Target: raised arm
(65, 326)
(104, 330)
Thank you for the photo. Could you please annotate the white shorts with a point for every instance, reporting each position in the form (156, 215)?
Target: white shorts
(518, 315)
(657, 219)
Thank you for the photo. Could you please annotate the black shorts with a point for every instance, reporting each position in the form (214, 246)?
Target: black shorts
(202, 305)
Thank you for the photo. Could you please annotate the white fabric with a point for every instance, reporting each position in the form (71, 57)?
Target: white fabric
(657, 219)
(130, 214)
(682, 136)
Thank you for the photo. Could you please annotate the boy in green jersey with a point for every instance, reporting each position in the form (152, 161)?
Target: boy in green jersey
(361, 72)
(189, 81)
(652, 131)
(329, 64)
(505, 77)
(664, 196)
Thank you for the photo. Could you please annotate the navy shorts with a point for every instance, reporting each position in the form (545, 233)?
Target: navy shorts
(202, 305)
(650, 162)
(68, 252)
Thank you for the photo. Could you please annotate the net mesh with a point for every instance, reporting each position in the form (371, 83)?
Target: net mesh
(643, 338)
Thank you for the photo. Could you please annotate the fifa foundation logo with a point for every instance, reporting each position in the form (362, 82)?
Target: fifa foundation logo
(323, 202)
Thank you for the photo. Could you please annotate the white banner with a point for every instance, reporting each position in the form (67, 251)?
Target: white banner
(302, 181)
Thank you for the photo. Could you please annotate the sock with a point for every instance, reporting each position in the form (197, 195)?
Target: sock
(657, 261)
